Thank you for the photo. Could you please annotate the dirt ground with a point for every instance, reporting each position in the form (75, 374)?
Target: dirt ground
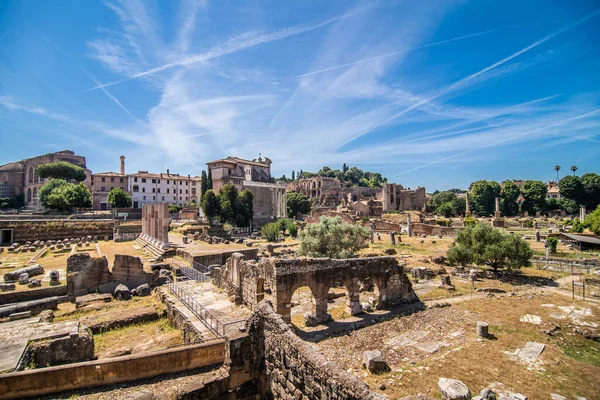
(442, 342)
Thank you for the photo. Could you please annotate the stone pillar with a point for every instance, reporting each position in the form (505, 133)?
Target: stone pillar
(143, 220)
(381, 291)
(582, 212)
(408, 223)
(284, 203)
(497, 212)
(482, 329)
(353, 306)
(467, 207)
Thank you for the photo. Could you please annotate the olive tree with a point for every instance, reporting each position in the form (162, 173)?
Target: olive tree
(332, 238)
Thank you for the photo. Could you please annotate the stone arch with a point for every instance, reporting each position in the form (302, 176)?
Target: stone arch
(35, 177)
(30, 175)
(35, 193)
(28, 194)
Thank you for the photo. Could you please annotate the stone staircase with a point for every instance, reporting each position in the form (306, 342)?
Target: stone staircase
(153, 250)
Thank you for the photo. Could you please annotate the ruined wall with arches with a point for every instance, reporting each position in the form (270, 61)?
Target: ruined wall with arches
(251, 282)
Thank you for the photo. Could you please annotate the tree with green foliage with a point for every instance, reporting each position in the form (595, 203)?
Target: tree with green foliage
(571, 188)
(209, 183)
(534, 193)
(577, 227)
(210, 205)
(174, 208)
(203, 183)
(332, 238)
(245, 210)
(293, 176)
(7, 202)
(297, 203)
(59, 200)
(459, 206)
(60, 195)
(344, 168)
(445, 209)
(552, 244)
(509, 195)
(591, 188)
(270, 232)
(484, 245)
(570, 206)
(438, 199)
(79, 196)
(228, 200)
(483, 196)
(592, 221)
(61, 170)
(119, 198)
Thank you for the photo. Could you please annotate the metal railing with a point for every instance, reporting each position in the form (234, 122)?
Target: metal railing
(194, 274)
(573, 267)
(207, 318)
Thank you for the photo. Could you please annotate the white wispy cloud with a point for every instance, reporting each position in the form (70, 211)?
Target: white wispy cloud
(464, 81)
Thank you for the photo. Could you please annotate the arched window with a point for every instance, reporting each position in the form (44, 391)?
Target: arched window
(136, 188)
(34, 193)
(30, 175)
(29, 194)
(35, 177)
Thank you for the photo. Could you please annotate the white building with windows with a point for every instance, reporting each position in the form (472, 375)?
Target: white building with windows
(149, 188)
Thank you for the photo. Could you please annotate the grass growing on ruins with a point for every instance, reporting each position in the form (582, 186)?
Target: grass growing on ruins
(68, 312)
(137, 338)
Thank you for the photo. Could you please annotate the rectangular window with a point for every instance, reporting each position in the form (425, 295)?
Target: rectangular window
(103, 189)
(158, 190)
(135, 179)
(121, 180)
(168, 182)
(158, 181)
(144, 189)
(153, 190)
(186, 191)
(103, 179)
(163, 198)
(144, 197)
(186, 183)
(153, 180)
(112, 179)
(174, 198)
(180, 198)
(180, 191)
(153, 197)
(143, 180)
(167, 190)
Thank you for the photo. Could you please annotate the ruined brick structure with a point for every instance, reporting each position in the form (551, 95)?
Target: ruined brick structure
(155, 224)
(86, 274)
(247, 281)
(286, 367)
(54, 229)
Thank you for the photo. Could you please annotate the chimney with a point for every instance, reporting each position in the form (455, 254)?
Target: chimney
(122, 165)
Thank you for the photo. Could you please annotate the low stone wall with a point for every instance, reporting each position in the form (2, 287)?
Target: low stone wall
(291, 368)
(433, 230)
(33, 294)
(44, 381)
(57, 229)
(218, 258)
(177, 318)
(124, 232)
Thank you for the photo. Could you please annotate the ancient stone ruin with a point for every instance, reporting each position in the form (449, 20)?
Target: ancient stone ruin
(246, 281)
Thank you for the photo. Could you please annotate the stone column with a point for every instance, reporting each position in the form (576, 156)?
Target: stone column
(353, 306)
(582, 212)
(284, 203)
(143, 220)
(468, 207)
(497, 204)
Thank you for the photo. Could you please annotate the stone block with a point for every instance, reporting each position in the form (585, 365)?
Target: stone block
(453, 389)
(5, 287)
(374, 362)
(122, 293)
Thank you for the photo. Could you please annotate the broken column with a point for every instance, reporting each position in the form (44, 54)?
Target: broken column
(482, 329)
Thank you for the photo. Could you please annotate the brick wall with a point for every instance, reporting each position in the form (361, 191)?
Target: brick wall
(57, 230)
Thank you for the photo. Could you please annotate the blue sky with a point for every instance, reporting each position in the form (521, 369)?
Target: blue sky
(429, 93)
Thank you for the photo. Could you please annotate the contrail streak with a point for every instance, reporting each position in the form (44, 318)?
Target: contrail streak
(110, 96)
(231, 46)
(461, 82)
(561, 122)
(398, 52)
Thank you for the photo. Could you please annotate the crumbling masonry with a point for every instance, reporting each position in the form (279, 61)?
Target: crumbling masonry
(247, 281)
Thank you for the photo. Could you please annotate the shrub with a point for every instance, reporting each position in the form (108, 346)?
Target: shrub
(577, 227)
(552, 244)
(485, 245)
(293, 229)
(270, 232)
(470, 221)
(443, 222)
(332, 238)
